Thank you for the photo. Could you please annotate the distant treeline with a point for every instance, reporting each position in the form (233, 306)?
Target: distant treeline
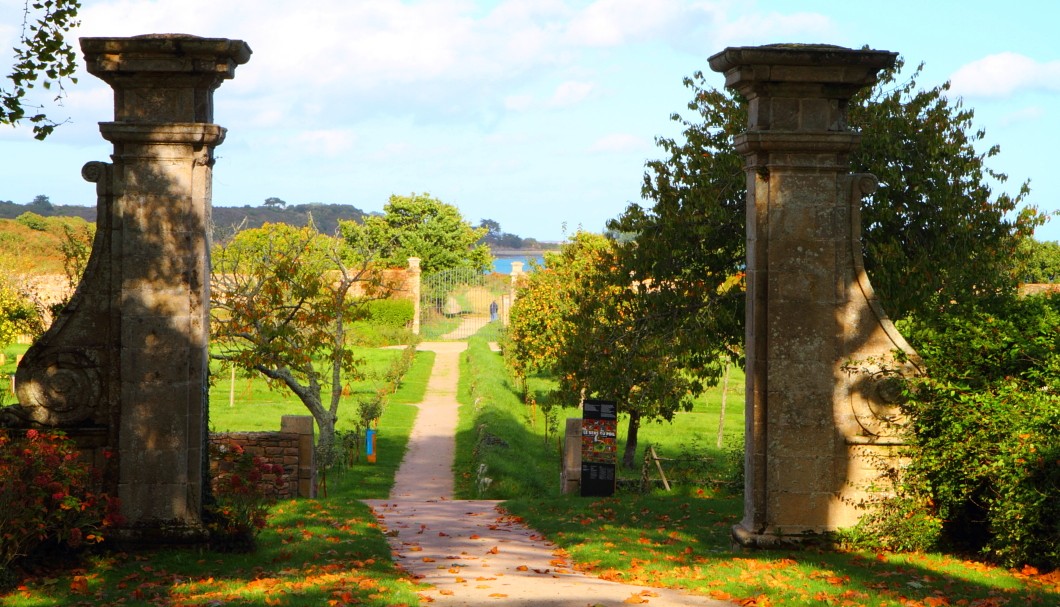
(227, 220)
(325, 216)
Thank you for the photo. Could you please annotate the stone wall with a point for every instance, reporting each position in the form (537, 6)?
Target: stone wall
(289, 448)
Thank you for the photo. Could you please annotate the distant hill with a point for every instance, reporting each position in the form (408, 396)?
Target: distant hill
(325, 216)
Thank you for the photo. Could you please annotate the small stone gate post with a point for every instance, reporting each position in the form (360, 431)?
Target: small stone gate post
(415, 276)
(126, 363)
(812, 318)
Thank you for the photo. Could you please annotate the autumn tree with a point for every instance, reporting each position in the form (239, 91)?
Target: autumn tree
(281, 299)
(43, 58)
(422, 226)
(573, 318)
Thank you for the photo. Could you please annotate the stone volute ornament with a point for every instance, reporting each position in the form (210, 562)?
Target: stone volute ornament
(823, 377)
(124, 367)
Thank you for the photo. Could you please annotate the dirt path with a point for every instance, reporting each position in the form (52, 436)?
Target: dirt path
(468, 551)
(469, 325)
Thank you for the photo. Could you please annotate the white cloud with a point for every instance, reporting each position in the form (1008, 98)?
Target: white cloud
(326, 142)
(757, 28)
(1003, 75)
(571, 93)
(619, 142)
(616, 22)
(1028, 114)
(518, 103)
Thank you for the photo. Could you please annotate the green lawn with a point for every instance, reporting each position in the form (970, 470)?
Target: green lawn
(327, 551)
(682, 538)
(330, 549)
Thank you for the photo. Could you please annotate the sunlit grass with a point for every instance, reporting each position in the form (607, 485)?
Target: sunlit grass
(681, 540)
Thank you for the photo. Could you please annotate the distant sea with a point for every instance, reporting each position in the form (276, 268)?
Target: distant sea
(502, 264)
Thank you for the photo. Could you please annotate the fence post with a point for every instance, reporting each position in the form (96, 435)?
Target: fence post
(571, 476)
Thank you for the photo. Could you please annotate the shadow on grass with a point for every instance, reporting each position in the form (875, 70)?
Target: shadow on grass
(683, 541)
(313, 552)
(498, 456)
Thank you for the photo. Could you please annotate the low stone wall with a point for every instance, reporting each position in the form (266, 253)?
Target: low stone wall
(291, 448)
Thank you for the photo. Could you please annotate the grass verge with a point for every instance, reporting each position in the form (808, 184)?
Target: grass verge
(682, 541)
(498, 452)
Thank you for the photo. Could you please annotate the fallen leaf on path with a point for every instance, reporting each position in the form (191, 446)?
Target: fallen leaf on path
(446, 592)
(428, 559)
(493, 550)
(522, 568)
(498, 595)
(635, 599)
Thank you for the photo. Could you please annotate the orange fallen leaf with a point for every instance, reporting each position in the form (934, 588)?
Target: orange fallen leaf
(428, 559)
(493, 550)
(445, 591)
(474, 536)
(522, 568)
(498, 595)
(79, 585)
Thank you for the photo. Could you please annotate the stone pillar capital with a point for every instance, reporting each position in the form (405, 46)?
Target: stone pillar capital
(164, 77)
(799, 88)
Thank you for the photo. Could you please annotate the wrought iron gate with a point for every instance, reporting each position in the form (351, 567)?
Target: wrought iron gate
(455, 304)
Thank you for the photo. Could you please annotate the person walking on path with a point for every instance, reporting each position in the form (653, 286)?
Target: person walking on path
(469, 551)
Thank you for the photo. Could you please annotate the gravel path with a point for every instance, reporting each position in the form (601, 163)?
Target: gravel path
(467, 550)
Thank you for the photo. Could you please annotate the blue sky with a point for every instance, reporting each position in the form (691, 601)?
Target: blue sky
(539, 114)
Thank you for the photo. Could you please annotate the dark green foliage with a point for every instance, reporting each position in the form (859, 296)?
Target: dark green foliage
(1039, 262)
(987, 427)
(42, 57)
(934, 230)
(689, 246)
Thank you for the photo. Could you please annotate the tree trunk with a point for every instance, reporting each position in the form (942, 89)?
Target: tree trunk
(629, 455)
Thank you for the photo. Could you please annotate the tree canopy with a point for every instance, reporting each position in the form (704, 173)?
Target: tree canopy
(422, 226)
(281, 300)
(573, 319)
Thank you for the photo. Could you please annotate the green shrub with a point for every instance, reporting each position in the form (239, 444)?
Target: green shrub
(986, 427)
(33, 221)
(391, 312)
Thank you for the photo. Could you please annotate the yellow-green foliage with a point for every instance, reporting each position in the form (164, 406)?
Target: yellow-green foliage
(38, 249)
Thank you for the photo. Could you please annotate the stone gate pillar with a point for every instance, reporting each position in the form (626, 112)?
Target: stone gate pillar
(513, 287)
(129, 354)
(415, 278)
(819, 348)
